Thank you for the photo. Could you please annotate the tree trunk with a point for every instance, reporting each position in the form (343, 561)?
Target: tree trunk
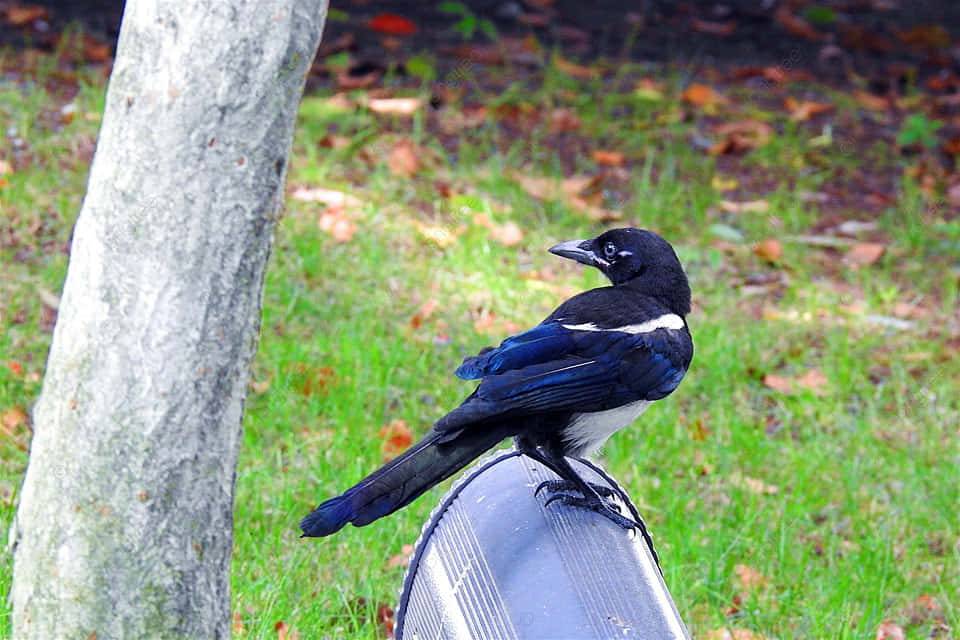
(124, 527)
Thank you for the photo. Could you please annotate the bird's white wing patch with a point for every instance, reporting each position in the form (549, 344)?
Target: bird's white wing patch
(666, 321)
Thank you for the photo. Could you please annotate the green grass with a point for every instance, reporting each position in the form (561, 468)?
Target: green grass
(843, 497)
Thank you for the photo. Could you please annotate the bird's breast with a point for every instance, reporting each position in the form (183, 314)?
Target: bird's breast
(588, 431)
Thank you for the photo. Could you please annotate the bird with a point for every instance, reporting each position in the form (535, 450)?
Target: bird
(560, 389)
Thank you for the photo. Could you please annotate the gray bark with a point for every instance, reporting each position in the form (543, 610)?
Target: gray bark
(124, 527)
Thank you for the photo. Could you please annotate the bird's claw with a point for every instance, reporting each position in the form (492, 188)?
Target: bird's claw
(562, 486)
(610, 511)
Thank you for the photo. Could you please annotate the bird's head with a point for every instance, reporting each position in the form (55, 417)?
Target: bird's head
(637, 258)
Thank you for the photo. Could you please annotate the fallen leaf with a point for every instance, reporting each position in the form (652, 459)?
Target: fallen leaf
(749, 578)
(335, 222)
(23, 14)
(395, 106)
(385, 618)
(871, 101)
(609, 158)
(15, 367)
(778, 383)
(803, 110)
(563, 120)
(757, 486)
(749, 206)
(5, 168)
(237, 626)
(649, 89)
(926, 36)
(701, 95)
(770, 250)
(392, 24)
(864, 254)
(795, 24)
(401, 559)
(13, 418)
(813, 380)
(740, 135)
(329, 197)
(574, 69)
(721, 183)
(423, 313)
(396, 436)
(736, 634)
(404, 159)
(508, 234)
(889, 630)
(721, 29)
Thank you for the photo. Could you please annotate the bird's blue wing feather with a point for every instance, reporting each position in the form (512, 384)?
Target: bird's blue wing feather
(543, 343)
(597, 370)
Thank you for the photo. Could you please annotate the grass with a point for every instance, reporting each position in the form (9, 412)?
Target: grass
(840, 499)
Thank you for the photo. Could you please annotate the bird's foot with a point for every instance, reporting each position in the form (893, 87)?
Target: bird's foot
(563, 486)
(608, 510)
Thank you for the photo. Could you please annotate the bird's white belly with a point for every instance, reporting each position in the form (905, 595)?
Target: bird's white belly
(588, 431)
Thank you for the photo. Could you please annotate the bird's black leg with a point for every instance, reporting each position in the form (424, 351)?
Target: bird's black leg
(589, 498)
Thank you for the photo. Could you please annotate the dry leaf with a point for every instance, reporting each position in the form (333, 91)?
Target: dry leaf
(721, 29)
(864, 253)
(396, 436)
(404, 159)
(740, 135)
(23, 14)
(803, 110)
(329, 197)
(795, 24)
(237, 626)
(335, 222)
(870, 101)
(750, 578)
(889, 630)
(610, 158)
(423, 313)
(13, 418)
(736, 634)
(401, 559)
(573, 69)
(701, 95)
(392, 24)
(778, 383)
(721, 183)
(770, 250)
(563, 120)
(395, 106)
(750, 206)
(441, 236)
(757, 486)
(508, 234)
(813, 380)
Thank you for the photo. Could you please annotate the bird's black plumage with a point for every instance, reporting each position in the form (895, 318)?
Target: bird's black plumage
(560, 389)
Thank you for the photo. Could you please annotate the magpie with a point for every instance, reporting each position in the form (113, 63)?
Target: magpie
(560, 389)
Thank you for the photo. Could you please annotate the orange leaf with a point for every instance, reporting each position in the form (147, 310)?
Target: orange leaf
(778, 383)
(392, 24)
(813, 380)
(796, 25)
(13, 418)
(21, 15)
(237, 626)
(803, 110)
(610, 158)
(425, 311)
(889, 630)
(335, 222)
(770, 250)
(573, 69)
(864, 253)
(701, 95)
(750, 578)
(870, 101)
(404, 160)
(395, 106)
(396, 437)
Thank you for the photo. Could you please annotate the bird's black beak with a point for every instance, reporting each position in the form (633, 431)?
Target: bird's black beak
(578, 250)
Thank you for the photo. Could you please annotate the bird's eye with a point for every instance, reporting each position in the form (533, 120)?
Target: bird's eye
(609, 250)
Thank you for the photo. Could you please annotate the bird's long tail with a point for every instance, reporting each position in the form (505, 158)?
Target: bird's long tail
(431, 460)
